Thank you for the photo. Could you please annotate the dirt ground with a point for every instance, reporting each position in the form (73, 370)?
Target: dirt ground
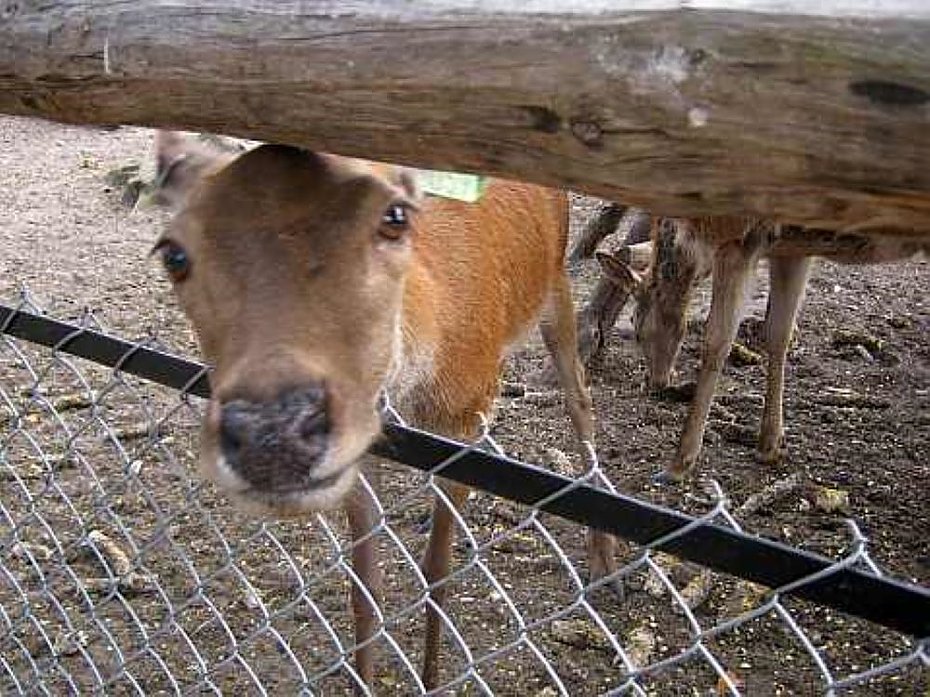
(231, 604)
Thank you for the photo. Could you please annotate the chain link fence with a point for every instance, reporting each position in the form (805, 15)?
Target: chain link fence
(121, 572)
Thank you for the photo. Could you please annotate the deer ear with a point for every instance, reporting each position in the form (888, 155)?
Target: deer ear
(179, 164)
(618, 271)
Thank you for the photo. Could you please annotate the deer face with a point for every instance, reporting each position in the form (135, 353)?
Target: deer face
(659, 320)
(291, 268)
(662, 303)
(659, 315)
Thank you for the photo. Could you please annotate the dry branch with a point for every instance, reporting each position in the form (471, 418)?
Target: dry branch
(640, 645)
(119, 568)
(815, 113)
(768, 495)
(697, 590)
(700, 587)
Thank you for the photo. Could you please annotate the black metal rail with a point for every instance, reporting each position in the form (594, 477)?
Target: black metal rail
(899, 606)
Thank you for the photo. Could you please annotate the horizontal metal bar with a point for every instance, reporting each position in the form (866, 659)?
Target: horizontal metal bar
(899, 606)
(164, 368)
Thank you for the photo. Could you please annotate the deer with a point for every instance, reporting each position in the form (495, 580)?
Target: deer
(314, 283)
(728, 249)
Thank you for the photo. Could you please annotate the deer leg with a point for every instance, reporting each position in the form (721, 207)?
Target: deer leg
(640, 227)
(362, 513)
(436, 562)
(557, 327)
(788, 280)
(732, 266)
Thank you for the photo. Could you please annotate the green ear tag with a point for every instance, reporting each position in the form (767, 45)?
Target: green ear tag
(462, 187)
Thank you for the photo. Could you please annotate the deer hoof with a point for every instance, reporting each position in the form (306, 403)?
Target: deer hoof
(771, 448)
(676, 472)
(770, 454)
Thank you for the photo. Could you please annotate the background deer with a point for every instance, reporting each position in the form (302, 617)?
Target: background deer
(313, 283)
(684, 251)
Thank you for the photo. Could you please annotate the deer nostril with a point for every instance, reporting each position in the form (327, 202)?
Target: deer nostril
(278, 440)
(229, 438)
(234, 428)
(313, 424)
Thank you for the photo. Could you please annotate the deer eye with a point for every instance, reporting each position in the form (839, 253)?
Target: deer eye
(394, 222)
(175, 261)
(396, 214)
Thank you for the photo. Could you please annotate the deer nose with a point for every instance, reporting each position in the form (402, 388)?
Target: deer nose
(276, 444)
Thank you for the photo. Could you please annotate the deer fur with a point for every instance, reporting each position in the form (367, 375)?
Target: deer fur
(309, 299)
(728, 249)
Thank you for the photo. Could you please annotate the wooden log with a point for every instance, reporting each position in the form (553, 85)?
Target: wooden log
(814, 113)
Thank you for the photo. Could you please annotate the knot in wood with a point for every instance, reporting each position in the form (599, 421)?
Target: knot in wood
(588, 132)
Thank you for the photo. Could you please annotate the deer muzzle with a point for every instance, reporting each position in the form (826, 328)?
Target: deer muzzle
(275, 446)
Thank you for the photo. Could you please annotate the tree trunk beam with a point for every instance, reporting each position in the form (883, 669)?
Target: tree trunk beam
(764, 107)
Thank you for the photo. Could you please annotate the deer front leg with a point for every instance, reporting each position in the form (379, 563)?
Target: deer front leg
(362, 513)
(732, 266)
(557, 327)
(786, 291)
(558, 332)
(436, 562)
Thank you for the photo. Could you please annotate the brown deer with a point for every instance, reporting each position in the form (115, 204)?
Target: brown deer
(686, 250)
(313, 283)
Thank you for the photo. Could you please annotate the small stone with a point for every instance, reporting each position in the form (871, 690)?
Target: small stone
(251, 600)
(640, 645)
(734, 432)
(542, 399)
(560, 462)
(579, 633)
(853, 338)
(513, 389)
(831, 500)
(863, 352)
(742, 356)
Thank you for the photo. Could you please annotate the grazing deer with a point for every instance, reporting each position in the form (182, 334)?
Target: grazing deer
(314, 282)
(684, 251)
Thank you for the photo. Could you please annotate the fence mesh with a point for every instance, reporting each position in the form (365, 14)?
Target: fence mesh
(121, 572)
